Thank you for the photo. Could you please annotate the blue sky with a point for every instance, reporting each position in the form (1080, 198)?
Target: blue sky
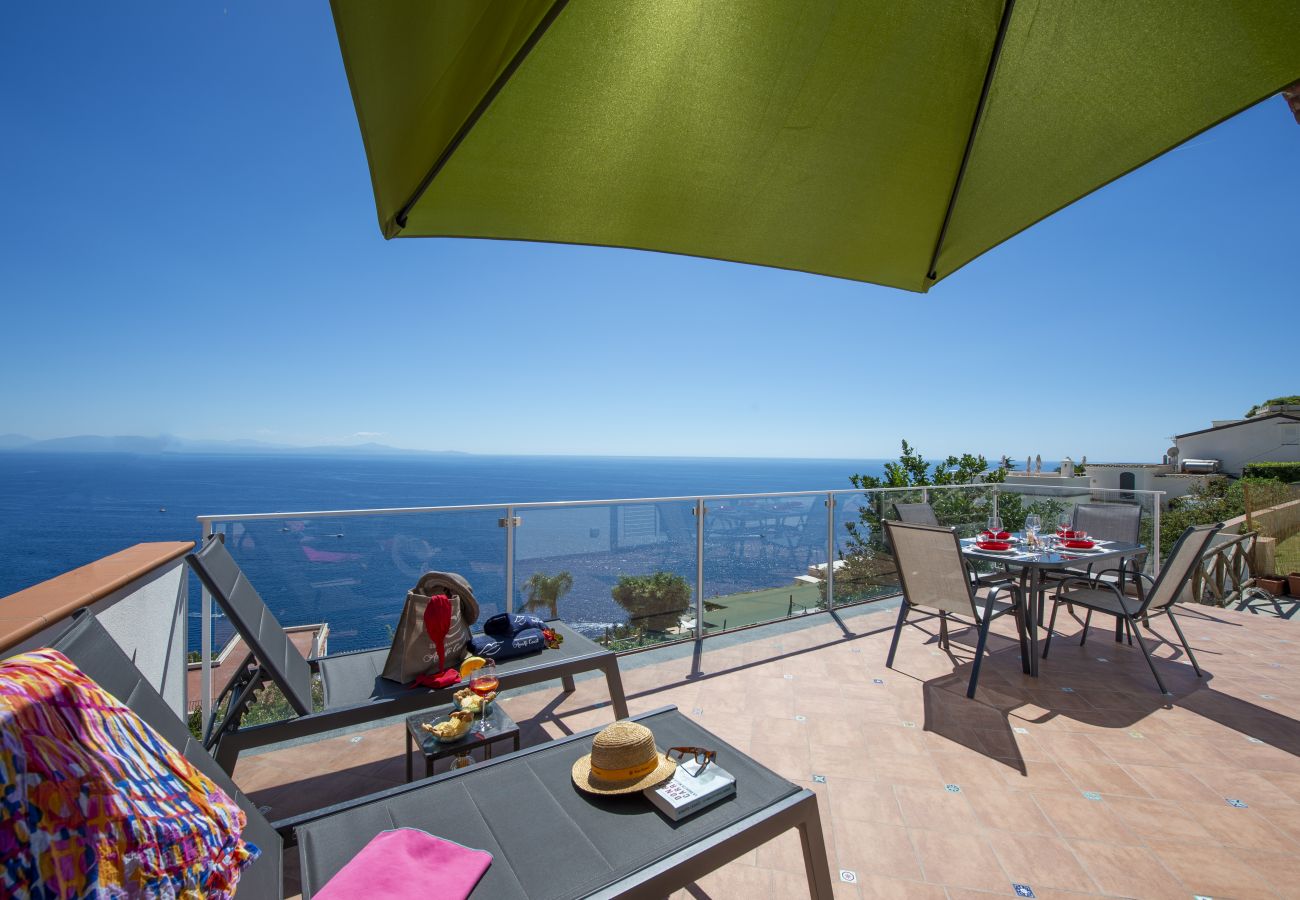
(188, 245)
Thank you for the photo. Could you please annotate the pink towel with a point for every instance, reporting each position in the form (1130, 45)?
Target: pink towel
(405, 863)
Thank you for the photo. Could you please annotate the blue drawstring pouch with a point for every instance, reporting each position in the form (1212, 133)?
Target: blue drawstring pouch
(526, 641)
(504, 626)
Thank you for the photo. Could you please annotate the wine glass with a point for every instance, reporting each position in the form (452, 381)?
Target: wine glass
(995, 526)
(484, 682)
(1064, 523)
(1033, 522)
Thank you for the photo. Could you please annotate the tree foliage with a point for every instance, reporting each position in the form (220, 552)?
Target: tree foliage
(544, 592)
(1293, 400)
(655, 602)
(967, 509)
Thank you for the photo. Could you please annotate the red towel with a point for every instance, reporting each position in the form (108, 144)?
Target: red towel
(406, 863)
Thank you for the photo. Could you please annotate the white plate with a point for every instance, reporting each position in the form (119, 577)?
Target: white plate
(980, 549)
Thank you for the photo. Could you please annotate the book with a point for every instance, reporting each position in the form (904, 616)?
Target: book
(690, 790)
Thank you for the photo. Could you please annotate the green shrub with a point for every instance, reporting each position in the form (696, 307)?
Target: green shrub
(1282, 471)
(653, 602)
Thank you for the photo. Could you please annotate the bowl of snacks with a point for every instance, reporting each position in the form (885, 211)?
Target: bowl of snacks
(452, 728)
(470, 701)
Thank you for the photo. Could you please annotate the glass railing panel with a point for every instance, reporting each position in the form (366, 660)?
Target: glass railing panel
(864, 567)
(764, 559)
(352, 573)
(623, 574)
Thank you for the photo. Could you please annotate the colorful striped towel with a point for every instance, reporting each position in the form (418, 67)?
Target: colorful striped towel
(96, 804)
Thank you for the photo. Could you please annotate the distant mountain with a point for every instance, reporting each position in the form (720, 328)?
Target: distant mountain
(166, 443)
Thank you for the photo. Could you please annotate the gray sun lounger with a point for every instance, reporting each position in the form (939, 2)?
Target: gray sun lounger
(94, 652)
(547, 839)
(354, 691)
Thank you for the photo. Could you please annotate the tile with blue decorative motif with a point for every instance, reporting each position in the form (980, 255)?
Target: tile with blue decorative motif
(819, 779)
(909, 724)
(1092, 795)
(877, 681)
(848, 876)
(801, 718)
(952, 788)
(1239, 804)
(1067, 690)
(696, 710)
(1254, 740)
(1267, 697)
(1018, 730)
(1023, 890)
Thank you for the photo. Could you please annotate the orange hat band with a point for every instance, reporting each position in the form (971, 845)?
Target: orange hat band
(628, 774)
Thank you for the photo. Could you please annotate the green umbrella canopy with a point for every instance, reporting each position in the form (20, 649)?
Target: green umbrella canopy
(887, 141)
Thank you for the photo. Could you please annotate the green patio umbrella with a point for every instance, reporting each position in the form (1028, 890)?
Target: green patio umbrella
(889, 141)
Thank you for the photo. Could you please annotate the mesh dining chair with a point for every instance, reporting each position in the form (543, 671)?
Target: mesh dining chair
(1159, 596)
(923, 514)
(916, 513)
(936, 579)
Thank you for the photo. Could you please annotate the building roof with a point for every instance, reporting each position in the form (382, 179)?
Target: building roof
(1093, 465)
(1242, 422)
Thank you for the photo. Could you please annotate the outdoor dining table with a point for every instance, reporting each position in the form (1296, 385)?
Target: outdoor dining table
(1034, 563)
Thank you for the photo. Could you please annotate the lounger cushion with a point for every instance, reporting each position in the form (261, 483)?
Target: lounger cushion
(568, 843)
(93, 650)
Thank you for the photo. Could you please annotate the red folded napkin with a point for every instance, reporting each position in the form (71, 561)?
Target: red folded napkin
(999, 536)
(1080, 545)
(445, 678)
(993, 545)
(406, 863)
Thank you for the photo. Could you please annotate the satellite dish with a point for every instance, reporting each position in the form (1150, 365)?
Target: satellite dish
(1172, 452)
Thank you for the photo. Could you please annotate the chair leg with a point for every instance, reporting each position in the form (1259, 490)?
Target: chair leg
(943, 630)
(979, 657)
(1186, 646)
(1087, 620)
(898, 629)
(1051, 627)
(1150, 662)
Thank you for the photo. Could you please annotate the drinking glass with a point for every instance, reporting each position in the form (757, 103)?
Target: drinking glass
(462, 760)
(995, 526)
(484, 682)
(1064, 523)
(1033, 522)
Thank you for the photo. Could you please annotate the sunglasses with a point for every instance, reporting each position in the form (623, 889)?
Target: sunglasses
(701, 756)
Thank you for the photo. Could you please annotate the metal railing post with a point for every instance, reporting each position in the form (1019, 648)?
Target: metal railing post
(699, 568)
(1155, 536)
(510, 523)
(830, 550)
(205, 646)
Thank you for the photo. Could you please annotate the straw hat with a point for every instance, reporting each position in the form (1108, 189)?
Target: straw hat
(623, 759)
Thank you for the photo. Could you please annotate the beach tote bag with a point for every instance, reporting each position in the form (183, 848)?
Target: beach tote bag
(413, 652)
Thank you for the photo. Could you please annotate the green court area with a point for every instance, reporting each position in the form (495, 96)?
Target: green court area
(752, 607)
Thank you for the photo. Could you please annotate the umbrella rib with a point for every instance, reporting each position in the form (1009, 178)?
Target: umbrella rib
(970, 139)
(505, 75)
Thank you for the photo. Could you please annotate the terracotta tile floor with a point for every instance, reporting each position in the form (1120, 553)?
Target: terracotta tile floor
(1084, 781)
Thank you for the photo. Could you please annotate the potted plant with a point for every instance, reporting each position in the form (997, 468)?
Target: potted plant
(1274, 584)
(654, 602)
(1293, 581)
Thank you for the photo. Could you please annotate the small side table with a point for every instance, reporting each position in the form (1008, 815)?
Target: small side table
(503, 727)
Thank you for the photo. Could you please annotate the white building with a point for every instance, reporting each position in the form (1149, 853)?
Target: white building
(1273, 437)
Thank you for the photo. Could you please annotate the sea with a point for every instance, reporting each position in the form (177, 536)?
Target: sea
(63, 510)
